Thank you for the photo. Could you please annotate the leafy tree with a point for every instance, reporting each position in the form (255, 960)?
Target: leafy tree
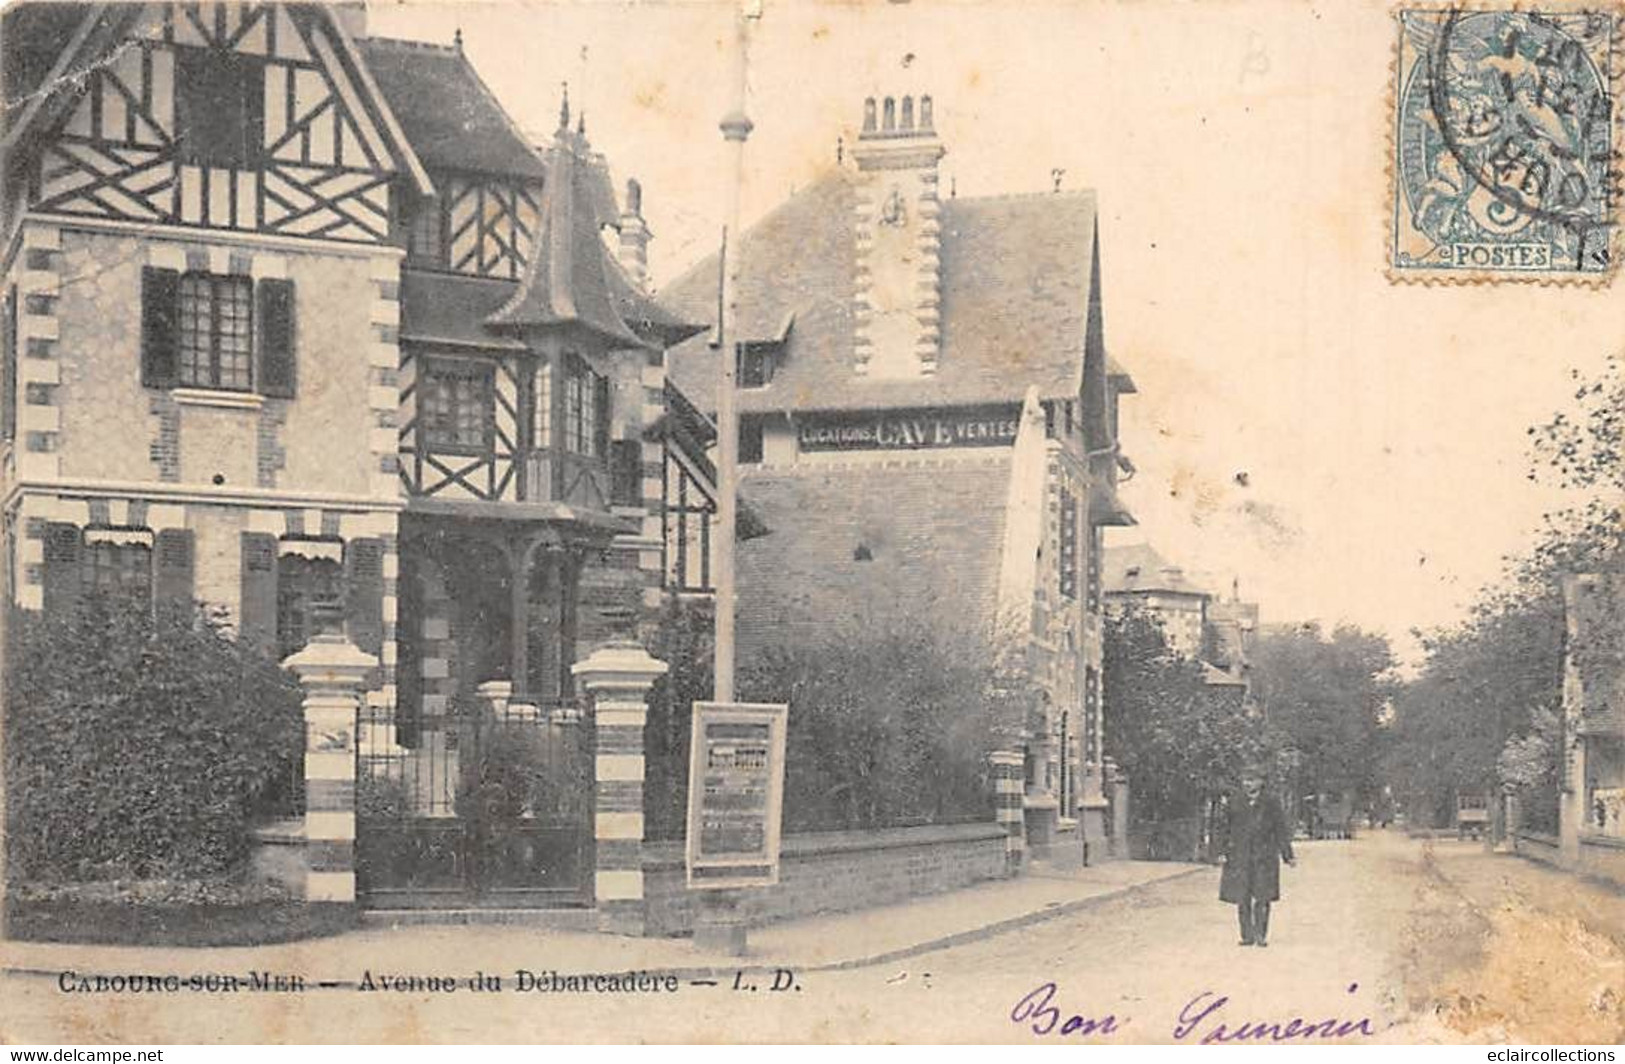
(1325, 695)
(891, 722)
(1181, 742)
(138, 744)
(1485, 681)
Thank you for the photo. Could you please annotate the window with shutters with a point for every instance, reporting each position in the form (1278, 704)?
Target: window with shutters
(456, 406)
(303, 585)
(217, 331)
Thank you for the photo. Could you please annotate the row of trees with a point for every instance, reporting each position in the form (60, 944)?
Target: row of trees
(1484, 714)
(1313, 719)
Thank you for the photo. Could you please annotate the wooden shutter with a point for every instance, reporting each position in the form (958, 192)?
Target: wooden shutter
(172, 566)
(364, 594)
(600, 428)
(62, 568)
(160, 326)
(277, 363)
(257, 613)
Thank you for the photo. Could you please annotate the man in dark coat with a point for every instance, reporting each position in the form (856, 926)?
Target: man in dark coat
(1255, 843)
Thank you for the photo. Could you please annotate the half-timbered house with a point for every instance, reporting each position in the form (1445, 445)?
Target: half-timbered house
(296, 315)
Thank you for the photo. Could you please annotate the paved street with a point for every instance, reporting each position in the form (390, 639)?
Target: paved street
(1423, 941)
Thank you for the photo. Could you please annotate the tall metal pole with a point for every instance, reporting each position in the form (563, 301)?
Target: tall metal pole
(736, 126)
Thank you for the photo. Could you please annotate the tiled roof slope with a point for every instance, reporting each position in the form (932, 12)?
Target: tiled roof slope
(801, 581)
(1139, 568)
(1015, 297)
(448, 115)
(34, 35)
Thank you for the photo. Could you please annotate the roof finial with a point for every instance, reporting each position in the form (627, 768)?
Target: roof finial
(457, 39)
(840, 149)
(581, 125)
(564, 108)
(1055, 176)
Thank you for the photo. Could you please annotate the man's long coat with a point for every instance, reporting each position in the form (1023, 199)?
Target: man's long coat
(1256, 840)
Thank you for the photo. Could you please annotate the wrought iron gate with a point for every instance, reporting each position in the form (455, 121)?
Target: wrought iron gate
(486, 805)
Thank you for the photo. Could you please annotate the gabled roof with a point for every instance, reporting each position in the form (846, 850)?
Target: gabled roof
(1139, 569)
(44, 45)
(1015, 277)
(448, 114)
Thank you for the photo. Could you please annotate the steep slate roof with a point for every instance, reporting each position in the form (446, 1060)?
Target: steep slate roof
(1015, 297)
(567, 277)
(802, 580)
(448, 114)
(1138, 568)
(33, 36)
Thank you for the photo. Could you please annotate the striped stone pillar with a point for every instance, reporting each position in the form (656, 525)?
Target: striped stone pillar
(332, 671)
(1008, 788)
(617, 676)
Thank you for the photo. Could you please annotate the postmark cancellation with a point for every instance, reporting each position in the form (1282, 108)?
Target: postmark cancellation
(1506, 145)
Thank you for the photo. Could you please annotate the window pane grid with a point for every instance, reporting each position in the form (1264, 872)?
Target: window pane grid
(197, 318)
(573, 412)
(216, 332)
(542, 418)
(456, 409)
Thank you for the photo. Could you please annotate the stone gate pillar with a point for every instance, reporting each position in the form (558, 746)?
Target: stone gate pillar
(1008, 792)
(617, 676)
(332, 670)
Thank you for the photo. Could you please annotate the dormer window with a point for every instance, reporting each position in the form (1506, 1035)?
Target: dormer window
(426, 235)
(756, 365)
(219, 106)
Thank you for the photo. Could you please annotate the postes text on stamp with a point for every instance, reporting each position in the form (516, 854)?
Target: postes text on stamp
(1505, 141)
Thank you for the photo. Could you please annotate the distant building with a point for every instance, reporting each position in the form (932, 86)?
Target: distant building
(1199, 624)
(928, 424)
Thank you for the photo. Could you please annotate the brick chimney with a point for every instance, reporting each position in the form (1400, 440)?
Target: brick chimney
(635, 235)
(899, 237)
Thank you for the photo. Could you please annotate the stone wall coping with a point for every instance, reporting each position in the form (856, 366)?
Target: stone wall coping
(281, 833)
(661, 855)
(1540, 837)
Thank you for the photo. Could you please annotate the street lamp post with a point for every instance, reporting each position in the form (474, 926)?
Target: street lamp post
(736, 126)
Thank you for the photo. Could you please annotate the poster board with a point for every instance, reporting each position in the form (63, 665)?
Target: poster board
(735, 794)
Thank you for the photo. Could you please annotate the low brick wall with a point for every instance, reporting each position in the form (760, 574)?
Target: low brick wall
(1540, 847)
(1603, 856)
(836, 871)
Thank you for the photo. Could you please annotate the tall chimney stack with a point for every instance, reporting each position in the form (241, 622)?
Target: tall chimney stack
(635, 235)
(899, 239)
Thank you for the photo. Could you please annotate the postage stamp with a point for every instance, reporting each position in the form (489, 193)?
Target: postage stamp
(1505, 145)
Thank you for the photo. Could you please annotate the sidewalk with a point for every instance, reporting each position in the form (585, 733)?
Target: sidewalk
(841, 940)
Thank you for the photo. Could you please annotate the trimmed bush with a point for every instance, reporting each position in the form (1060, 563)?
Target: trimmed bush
(138, 745)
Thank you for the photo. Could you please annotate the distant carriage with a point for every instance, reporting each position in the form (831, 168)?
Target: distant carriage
(1472, 815)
